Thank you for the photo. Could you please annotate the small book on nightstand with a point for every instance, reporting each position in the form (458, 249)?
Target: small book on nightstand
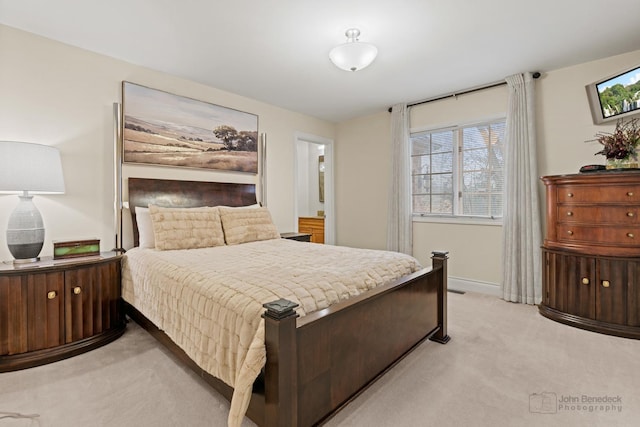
(75, 248)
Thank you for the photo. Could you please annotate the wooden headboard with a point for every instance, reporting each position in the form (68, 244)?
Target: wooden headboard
(185, 194)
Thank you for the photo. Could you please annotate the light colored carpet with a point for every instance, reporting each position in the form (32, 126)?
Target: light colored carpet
(505, 366)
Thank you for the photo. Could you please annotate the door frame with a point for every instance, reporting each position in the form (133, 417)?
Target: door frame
(329, 193)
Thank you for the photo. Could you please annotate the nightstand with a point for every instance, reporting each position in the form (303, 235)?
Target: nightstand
(300, 237)
(313, 225)
(54, 309)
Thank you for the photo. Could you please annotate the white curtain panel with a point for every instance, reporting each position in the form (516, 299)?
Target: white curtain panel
(399, 228)
(521, 232)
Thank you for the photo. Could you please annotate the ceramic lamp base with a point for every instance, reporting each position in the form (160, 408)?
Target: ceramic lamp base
(25, 232)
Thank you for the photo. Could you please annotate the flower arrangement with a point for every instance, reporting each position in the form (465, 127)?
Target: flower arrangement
(623, 143)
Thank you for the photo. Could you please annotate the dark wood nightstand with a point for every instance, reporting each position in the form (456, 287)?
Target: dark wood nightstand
(55, 309)
(300, 237)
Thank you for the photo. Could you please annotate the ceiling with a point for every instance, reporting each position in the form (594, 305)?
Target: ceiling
(276, 51)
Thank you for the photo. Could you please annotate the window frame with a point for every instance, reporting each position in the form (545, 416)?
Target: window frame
(455, 218)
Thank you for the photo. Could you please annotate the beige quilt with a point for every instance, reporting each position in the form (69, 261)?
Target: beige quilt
(209, 300)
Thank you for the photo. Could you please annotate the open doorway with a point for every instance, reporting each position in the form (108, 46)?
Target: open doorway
(314, 195)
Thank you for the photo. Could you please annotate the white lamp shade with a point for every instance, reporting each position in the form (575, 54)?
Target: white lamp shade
(353, 56)
(29, 167)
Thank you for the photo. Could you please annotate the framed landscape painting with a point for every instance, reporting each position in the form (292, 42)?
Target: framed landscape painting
(161, 128)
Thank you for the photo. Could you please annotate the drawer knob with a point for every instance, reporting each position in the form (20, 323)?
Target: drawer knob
(630, 214)
(585, 280)
(605, 283)
(52, 294)
(629, 193)
(571, 194)
(77, 290)
(630, 235)
(570, 233)
(569, 213)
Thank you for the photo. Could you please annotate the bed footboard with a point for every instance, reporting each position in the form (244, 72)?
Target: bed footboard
(319, 363)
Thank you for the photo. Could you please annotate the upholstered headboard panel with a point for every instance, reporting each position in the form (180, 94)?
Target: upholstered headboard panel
(185, 194)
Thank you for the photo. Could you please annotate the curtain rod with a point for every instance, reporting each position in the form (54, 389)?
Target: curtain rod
(535, 75)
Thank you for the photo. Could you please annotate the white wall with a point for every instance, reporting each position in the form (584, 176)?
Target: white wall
(303, 178)
(564, 117)
(362, 167)
(55, 94)
(363, 164)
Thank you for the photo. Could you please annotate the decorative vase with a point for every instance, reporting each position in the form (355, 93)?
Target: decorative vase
(626, 163)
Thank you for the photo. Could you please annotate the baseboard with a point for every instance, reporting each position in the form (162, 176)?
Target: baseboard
(468, 285)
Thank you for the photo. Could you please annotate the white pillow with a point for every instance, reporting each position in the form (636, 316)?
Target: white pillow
(146, 239)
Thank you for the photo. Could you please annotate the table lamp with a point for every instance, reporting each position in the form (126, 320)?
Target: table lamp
(28, 168)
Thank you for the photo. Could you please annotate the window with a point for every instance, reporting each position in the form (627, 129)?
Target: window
(458, 171)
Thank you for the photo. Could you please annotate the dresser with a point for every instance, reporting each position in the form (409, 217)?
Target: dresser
(54, 309)
(313, 225)
(591, 252)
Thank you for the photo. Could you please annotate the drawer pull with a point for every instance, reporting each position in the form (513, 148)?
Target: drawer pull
(629, 193)
(570, 233)
(569, 213)
(52, 294)
(605, 283)
(571, 194)
(630, 235)
(585, 280)
(630, 214)
(77, 290)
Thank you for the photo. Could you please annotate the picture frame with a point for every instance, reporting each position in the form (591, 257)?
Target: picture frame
(164, 129)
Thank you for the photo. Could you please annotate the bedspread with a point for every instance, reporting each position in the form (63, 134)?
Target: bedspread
(209, 300)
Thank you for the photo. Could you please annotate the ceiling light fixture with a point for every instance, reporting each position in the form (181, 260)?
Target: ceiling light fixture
(353, 55)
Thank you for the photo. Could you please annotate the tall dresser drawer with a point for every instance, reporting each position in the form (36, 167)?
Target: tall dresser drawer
(625, 193)
(619, 235)
(598, 214)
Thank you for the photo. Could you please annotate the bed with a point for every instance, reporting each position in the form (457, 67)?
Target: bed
(313, 364)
